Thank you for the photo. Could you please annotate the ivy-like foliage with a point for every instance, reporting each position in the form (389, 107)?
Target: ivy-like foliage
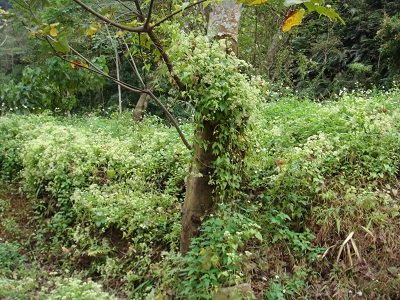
(223, 96)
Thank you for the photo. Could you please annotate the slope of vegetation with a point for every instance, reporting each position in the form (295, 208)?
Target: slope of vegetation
(91, 208)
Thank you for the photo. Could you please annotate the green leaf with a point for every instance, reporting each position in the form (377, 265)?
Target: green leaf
(61, 45)
(206, 3)
(293, 2)
(258, 236)
(315, 5)
(252, 2)
(185, 5)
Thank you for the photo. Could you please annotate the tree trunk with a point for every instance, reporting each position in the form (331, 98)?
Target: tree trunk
(199, 192)
(223, 23)
(141, 105)
(117, 70)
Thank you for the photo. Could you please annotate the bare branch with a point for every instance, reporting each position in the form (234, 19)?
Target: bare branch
(126, 6)
(98, 71)
(176, 12)
(139, 9)
(133, 65)
(147, 90)
(109, 21)
(146, 24)
(147, 29)
(171, 118)
(27, 7)
(5, 39)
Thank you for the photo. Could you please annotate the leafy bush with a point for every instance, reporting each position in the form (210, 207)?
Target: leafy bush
(15, 282)
(97, 184)
(75, 288)
(217, 257)
(223, 99)
(55, 86)
(10, 160)
(320, 172)
(108, 200)
(388, 36)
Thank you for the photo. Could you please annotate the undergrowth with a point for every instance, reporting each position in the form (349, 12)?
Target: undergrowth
(92, 207)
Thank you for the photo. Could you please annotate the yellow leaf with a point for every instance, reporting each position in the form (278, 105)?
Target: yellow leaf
(53, 31)
(39, 33)
(159, 297)
(120, 34)
(252, 2)
(255, 2)
(77, 64)
(294, 18)
(93, 29)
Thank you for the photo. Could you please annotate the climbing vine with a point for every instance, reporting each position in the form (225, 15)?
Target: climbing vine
(223, 95)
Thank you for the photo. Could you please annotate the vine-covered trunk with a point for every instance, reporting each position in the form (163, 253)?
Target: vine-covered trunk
(199, 191)
(223, 23)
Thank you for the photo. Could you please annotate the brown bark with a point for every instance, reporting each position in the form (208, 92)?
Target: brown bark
(142, 103)
(140, 107)
(199, 192)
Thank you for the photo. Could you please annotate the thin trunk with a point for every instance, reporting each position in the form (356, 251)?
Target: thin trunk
(141, 105)
(255, 49)
(199, 199)
(117, 70)
(119, 87)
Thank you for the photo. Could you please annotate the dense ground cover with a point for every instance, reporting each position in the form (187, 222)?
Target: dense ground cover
(91, 207)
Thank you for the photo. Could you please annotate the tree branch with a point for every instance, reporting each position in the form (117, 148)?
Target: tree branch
(109, 21)
(133, 65)
(171, 118)
(166, 59)
(176, 12)
(147, 22)
(5, 39)
(127, 7)
(95, 69)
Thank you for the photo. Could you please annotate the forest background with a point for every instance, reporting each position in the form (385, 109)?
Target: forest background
(316, 61)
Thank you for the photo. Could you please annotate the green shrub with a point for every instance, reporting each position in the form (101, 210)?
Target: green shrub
(303, 148)
(75, 288)
(97, 183)
(54, 86)
(109, 198)
(16, 280)
(216, 258)
(10, 160)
